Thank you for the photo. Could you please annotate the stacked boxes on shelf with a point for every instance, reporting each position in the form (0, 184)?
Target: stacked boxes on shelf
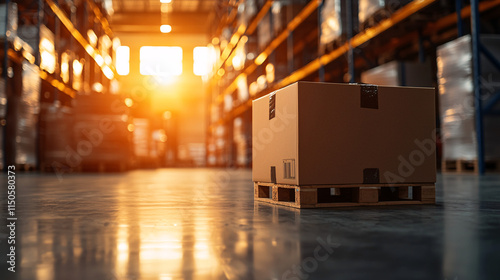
(3, 121)
(8, 29)
(264, 31)
(23, 107)
(334, 22)
(242, 141)
(400, 73)
(65, 72)
(368, 8)
(27, 122)
(8, 20)
(221, 145)
(246, 11)
(372, 12)
(146, 148)
(279, 15)
(102, 132)
(141, 139)
(456, 100)
(56, 139)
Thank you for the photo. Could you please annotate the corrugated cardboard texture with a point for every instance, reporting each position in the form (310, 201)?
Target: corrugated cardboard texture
(337, 139)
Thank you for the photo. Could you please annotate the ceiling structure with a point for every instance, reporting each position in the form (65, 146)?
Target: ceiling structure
(155, 5)
(146, 16)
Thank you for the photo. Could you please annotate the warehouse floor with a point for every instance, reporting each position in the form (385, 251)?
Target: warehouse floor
(203, 224)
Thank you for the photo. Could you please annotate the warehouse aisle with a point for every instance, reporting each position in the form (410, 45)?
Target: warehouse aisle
(203, 224)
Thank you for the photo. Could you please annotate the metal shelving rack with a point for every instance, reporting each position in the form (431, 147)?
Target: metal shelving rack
(403, 34)
(69, 22)
(93, 19)
(477, 49)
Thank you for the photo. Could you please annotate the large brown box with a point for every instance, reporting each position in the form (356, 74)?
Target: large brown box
(326, 134)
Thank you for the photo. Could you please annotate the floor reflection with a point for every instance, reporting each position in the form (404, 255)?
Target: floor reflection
(462, 227)
(204, 224)
(270, 243)
(159, 239)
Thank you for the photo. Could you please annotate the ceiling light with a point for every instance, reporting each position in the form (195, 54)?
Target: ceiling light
(166, 1)
(165, 28)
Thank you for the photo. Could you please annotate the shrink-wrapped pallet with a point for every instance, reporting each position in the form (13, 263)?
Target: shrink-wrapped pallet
(456, 99)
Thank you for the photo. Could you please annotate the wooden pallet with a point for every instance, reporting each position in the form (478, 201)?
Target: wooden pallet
(25, 167)
(318, 196)
(467, 166)
(58, 166)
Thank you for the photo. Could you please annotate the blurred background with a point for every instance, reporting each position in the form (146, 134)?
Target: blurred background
(113, 85)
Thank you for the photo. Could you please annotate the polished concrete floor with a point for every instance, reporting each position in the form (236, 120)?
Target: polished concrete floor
(203, 224)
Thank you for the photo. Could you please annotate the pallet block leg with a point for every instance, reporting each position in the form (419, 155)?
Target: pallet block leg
(305, 197)
(275, 193)
(443, 166)
(476, 167)
(460, 166)
(368, 195)
(450, 166)
(428, 194)
(425, 194)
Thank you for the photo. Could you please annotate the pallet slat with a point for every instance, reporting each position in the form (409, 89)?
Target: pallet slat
(318, 196)
(25, 167)
(468, 166)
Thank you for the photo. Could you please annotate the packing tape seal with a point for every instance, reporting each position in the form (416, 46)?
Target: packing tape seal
(272, 105)
(371, 176)
(368, 96)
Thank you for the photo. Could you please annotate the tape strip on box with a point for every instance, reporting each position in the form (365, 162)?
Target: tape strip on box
(273, 174)
(369, 96)
(371, 176)
(272, 105)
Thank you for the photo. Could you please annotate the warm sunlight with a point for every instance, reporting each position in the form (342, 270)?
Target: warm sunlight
(161, 61)
(123, 60)
(201, 65)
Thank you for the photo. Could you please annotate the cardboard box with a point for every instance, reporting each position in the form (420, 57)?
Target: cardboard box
(321, 134)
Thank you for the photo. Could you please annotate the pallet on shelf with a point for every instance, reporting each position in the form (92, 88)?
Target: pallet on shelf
(377, 11)
(55, 166)
(468, 166)
(321, 196)
(461, 137)
(25, 167)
